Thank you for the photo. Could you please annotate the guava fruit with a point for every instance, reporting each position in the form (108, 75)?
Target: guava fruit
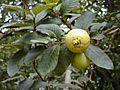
(77, 40)
(80, 61)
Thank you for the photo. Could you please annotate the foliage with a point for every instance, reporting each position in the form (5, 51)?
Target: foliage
(32, 44)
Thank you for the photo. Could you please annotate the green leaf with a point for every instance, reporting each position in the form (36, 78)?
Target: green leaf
(40, 7)
(26, 23)
(31, 38)
(85, 20)
(51, 27)
(23, 24)
(48, 32)
(39, 84)
(118, 16)
(7, 25)
(15, 62)
(32, 54)
(25, 28)
(29, 17)
(42, 84)
(51, 1)
(43, 40)
(17, 25)
(26, 84)
(49, 60)
(68, 5)
(26, 39)
(15, 46)
(98, 37)
(11, 7)
(53, 20)
(65, 85)
(97, 26)
(64, 60)
(40, 16)
(15, 8)
(84, 78)
(98, 57)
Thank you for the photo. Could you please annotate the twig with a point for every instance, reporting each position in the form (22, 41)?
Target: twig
(91, 73)
(109, 30)
(78, 83)
(90, 77)
(11, 79)
(25, 6)
(106, 32)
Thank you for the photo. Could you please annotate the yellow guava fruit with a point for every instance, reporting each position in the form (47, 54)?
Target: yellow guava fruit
(80, 61)
(77, 40)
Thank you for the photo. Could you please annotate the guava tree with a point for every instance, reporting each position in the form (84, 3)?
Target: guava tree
(36, 46)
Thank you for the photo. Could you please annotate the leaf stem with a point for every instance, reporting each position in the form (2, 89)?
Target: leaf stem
(34, 66)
